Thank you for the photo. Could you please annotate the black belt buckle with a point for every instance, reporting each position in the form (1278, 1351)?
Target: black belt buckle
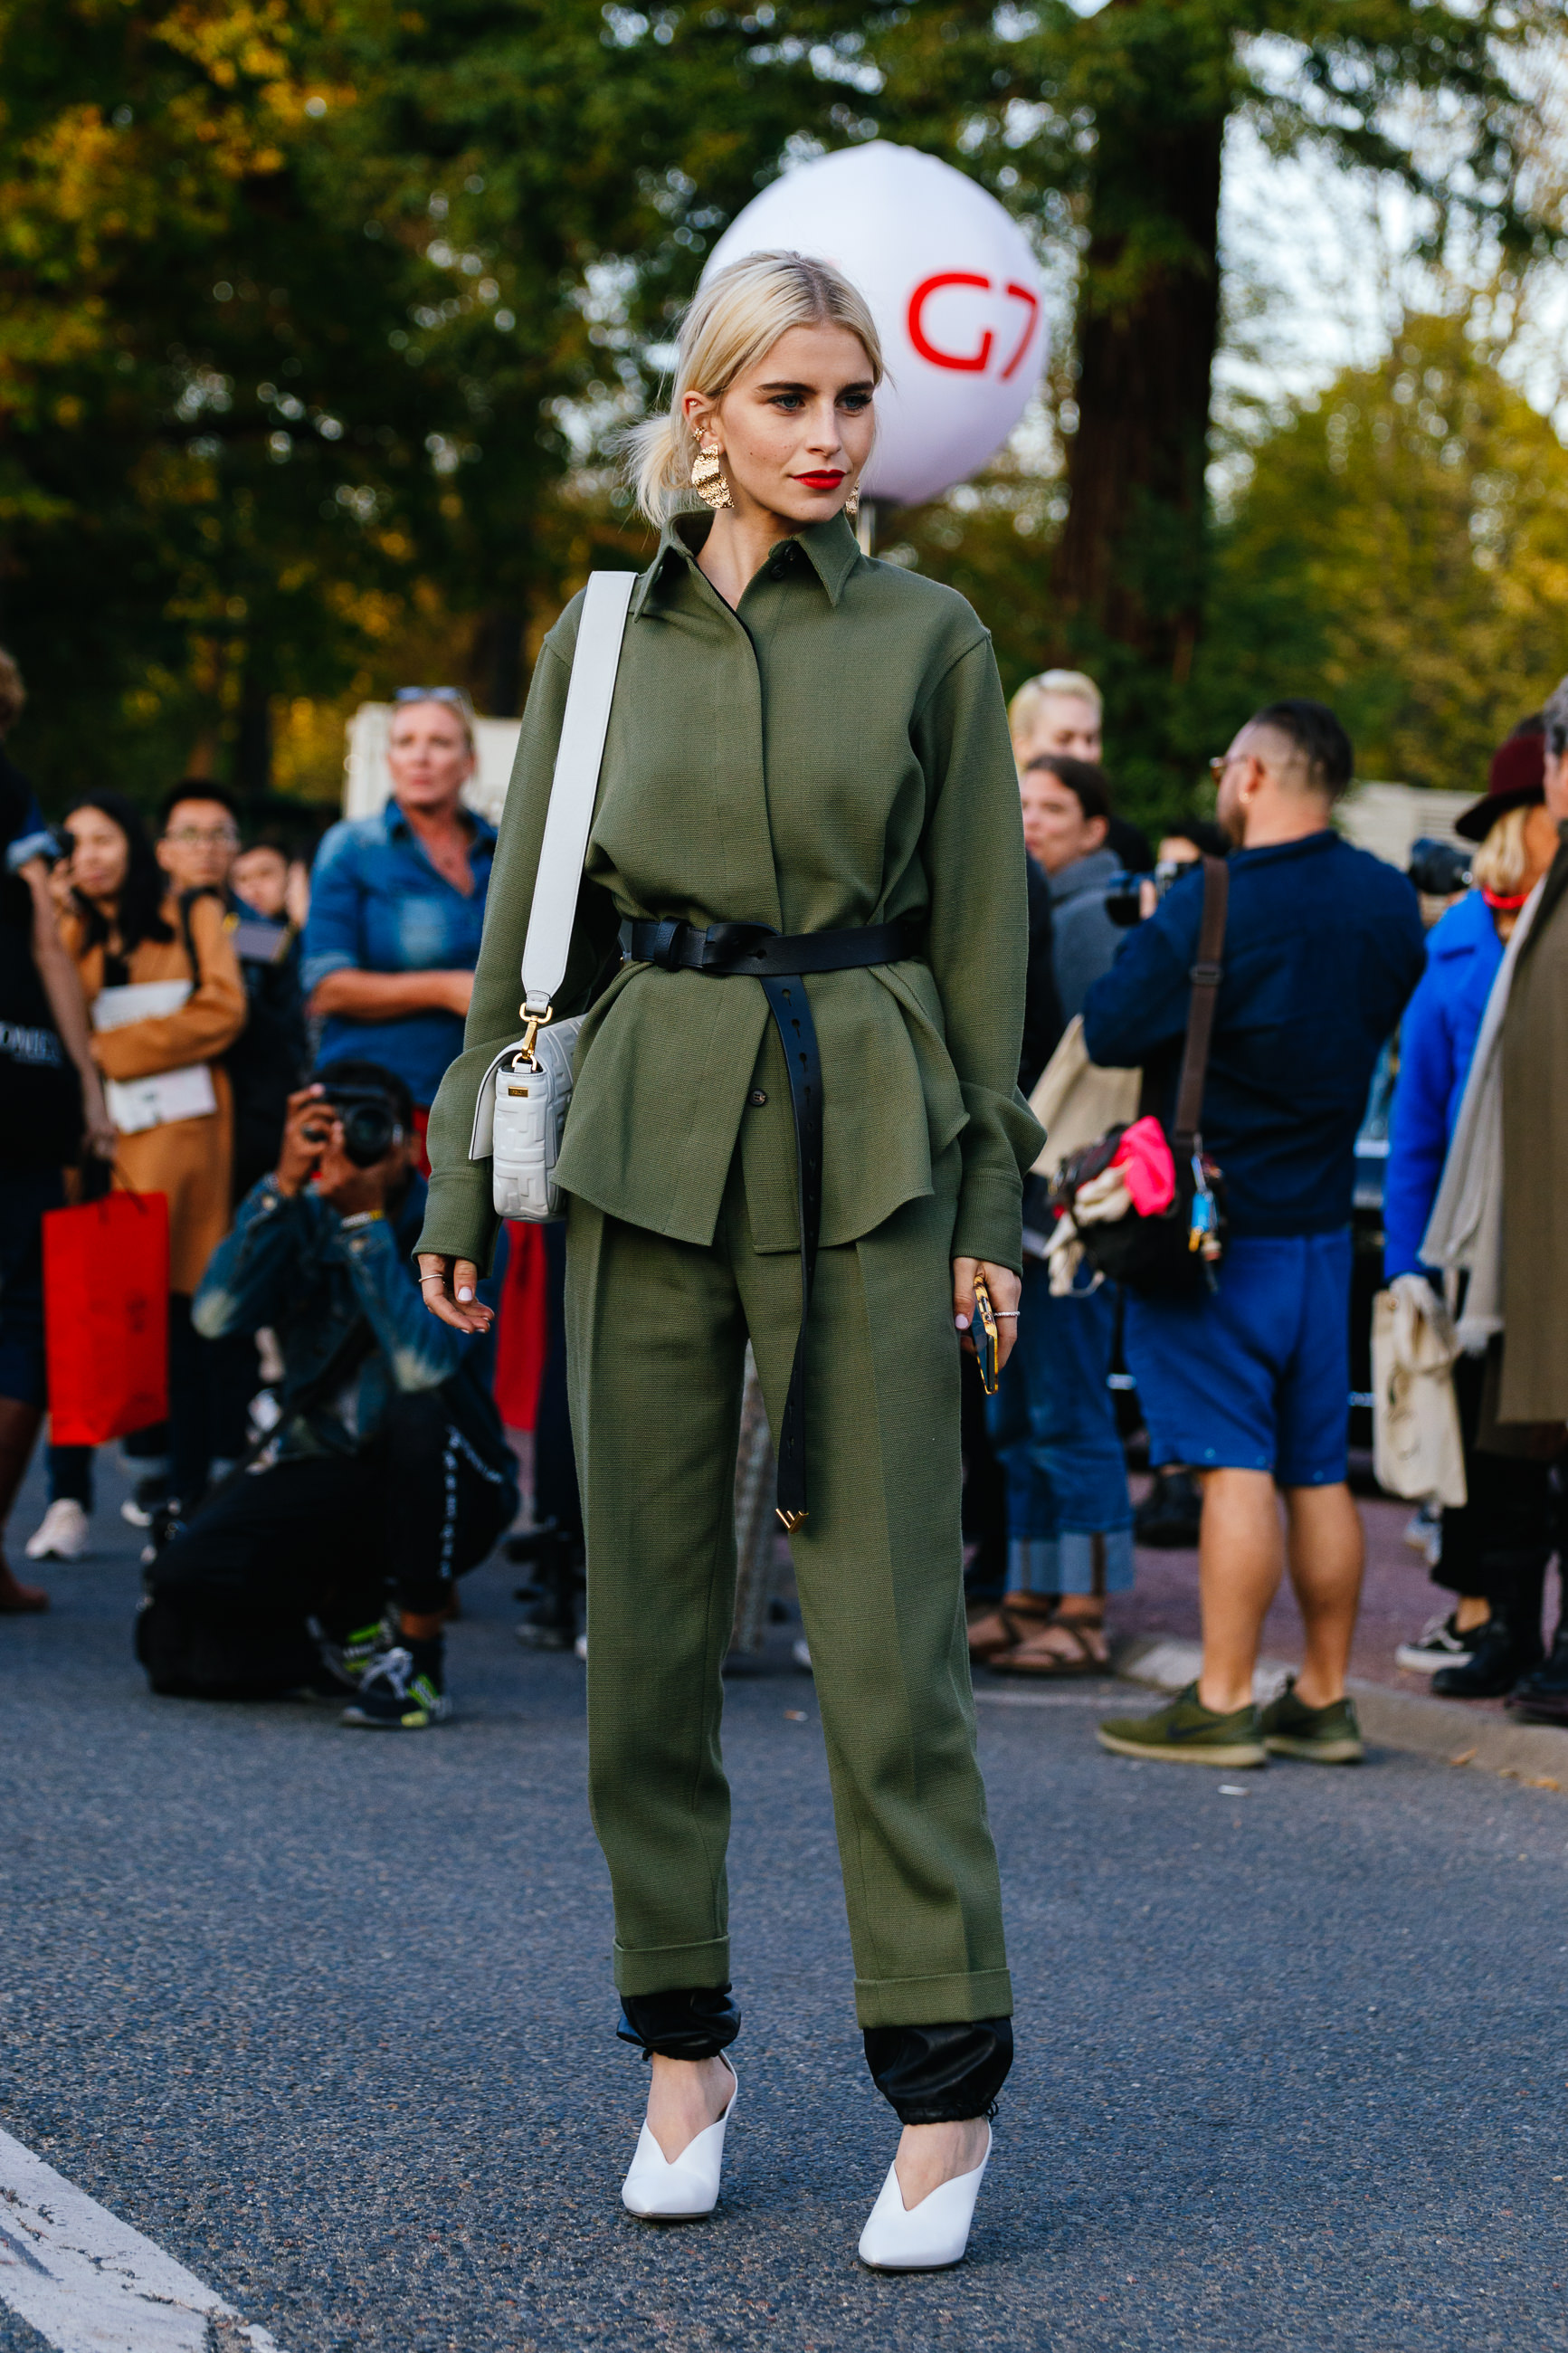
(662, 942)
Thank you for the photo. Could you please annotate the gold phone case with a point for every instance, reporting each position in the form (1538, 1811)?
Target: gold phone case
(985, 1338)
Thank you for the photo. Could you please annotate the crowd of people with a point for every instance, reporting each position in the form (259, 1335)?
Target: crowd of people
(195, 1014)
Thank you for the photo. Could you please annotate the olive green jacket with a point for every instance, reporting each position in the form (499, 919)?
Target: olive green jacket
(834, 753)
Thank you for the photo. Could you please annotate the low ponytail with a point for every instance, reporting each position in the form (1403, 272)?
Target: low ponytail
(653, 464)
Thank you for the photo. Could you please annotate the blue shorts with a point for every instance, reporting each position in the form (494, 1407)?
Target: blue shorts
(1256, 1375)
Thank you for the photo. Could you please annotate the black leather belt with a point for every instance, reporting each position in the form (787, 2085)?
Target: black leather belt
(755, 952)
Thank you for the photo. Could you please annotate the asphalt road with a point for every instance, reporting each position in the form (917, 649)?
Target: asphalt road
(327, 2016)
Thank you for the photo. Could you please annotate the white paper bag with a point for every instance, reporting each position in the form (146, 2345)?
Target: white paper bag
(1416, 1445)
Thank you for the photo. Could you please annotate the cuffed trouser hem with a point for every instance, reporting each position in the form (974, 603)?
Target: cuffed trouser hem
(941, 2075)
(933, 2001)
(670, 1969)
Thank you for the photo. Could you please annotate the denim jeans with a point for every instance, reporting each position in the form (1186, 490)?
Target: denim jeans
(1053, 1424)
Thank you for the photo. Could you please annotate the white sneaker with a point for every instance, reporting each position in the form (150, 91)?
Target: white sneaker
(1441, 1645)
(658, 2191)
(925, 2237)
(64, 1533)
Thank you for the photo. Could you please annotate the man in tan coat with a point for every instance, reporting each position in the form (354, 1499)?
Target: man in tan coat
(1533, 1388)
(1535, 1132)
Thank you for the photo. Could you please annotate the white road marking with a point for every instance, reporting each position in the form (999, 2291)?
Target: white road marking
(90, 2283)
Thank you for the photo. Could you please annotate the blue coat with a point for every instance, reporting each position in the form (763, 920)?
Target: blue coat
(1437, 1041)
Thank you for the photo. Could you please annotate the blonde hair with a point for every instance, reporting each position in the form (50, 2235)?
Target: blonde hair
(1034, 690)
(1503, 861)
(733, 322)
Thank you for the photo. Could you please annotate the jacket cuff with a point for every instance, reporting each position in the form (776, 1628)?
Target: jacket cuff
(459, 1215)
(990, 1220)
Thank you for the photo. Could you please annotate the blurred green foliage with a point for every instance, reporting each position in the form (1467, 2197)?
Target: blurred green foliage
(317, 316)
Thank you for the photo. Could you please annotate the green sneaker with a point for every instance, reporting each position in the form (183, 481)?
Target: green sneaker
(1323, 1735)
(1186, 1732)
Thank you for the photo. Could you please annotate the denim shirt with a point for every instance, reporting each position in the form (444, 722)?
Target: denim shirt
(291, 1262)
(377, 905)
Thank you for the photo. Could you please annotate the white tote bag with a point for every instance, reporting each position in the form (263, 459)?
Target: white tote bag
(1416, 1445)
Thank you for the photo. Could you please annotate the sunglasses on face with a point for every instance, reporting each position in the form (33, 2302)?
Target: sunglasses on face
(203, 837)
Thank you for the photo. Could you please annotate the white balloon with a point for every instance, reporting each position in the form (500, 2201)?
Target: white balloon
(953, 286)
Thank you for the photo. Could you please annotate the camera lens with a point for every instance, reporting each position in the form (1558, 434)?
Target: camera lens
(1121, 900)
(370, 1124)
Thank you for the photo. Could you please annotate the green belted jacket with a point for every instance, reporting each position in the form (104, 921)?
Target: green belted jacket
(833, 752)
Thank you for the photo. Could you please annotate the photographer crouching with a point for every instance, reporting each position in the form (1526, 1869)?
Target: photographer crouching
(387, 1471)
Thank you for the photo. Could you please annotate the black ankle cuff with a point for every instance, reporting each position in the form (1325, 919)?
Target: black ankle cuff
(939, 2075)
(693, 2022)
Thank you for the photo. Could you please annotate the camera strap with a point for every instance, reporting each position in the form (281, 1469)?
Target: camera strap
(1206, 976)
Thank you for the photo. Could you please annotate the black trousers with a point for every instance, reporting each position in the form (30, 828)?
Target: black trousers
(331, 1534)
(927, 2074)
(555, 1493)
(1498, 1544)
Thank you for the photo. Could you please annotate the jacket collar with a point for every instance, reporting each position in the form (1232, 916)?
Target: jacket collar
(1089, 873)
(397, 828)
(829, 547)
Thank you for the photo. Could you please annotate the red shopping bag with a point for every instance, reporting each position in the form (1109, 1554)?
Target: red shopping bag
(106, 1316)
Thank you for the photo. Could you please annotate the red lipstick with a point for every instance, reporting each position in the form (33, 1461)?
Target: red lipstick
(823, 481)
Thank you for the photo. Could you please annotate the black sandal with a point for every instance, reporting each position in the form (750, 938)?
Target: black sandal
(1056, 1666)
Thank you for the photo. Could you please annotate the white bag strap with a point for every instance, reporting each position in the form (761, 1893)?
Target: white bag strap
(573, 788)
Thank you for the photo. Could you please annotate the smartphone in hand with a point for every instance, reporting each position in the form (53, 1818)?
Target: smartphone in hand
(983, 1332)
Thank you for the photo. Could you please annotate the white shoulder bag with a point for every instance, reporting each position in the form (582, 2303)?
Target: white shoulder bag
(526, 1093)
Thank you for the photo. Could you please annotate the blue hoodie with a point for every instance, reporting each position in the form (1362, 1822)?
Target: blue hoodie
(1436, 1041)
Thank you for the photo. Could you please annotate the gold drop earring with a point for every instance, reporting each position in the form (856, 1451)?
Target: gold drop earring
(708, 475)
(852, 503)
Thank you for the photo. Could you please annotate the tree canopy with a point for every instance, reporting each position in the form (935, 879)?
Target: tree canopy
(315, 315)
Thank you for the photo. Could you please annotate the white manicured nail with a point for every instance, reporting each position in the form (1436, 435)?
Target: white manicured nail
(464, 1297)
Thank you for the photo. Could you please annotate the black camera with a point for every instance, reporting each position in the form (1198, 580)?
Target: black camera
(370, 1123)
(1439, 868)
(1125, 893)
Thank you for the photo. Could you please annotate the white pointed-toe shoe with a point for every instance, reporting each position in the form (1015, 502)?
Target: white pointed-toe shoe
(927, 2237)
(658, 2191)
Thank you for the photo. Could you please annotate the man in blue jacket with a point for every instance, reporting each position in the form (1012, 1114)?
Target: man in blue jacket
(388, 1469)
(1249, 1383)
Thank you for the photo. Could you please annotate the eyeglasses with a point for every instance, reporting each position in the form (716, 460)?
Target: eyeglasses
(203, 837)
(452, 694)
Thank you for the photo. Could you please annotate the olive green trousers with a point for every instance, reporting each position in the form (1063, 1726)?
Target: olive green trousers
(657, 1333)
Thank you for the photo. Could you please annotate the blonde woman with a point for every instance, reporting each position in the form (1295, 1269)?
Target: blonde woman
(803, 741)
(1495, 1550)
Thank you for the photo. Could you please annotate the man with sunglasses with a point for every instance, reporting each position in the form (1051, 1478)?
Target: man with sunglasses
(1248, 1383)
(397, 904)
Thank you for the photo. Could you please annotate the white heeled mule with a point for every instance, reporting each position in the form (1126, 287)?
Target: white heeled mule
(927, 2237)
(658, 2191)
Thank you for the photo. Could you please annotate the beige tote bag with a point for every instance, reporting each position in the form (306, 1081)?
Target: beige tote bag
(1416, 1445)
(1075, 1101)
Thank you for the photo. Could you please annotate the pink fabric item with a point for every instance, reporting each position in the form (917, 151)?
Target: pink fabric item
(1151, 1171)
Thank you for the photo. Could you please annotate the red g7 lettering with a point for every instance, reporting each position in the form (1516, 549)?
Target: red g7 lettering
(968, 362)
